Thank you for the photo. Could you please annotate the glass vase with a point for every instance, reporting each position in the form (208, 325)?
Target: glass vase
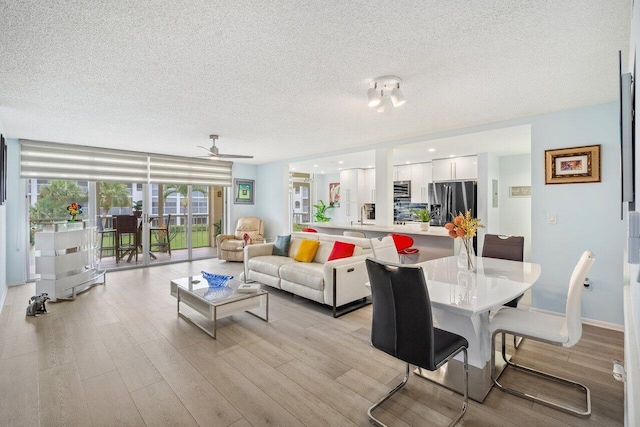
(467, 256)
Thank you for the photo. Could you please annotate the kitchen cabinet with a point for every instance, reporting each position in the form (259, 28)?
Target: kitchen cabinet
(402, 173)
(369, 194)
(455, 168)
(420, 179)
(351, 193)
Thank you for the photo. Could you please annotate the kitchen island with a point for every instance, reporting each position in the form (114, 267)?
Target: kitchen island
(433, 244)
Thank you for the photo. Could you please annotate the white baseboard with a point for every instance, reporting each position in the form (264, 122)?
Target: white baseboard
(592, 322)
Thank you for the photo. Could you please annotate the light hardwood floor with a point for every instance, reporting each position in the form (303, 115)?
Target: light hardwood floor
(119, 355)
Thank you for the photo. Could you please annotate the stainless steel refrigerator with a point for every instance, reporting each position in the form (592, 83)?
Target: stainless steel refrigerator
(447, 199)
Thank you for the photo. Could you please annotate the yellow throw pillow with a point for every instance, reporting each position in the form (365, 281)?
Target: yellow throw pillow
(307, 250)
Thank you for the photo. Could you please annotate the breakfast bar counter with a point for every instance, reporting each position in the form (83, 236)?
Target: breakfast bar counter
(434, 243)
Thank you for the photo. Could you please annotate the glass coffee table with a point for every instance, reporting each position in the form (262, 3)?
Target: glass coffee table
(216, 303)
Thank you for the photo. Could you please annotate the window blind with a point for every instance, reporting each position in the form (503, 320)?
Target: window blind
(184, 170)
(49, 160)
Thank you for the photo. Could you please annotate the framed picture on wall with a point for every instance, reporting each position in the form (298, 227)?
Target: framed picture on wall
(243, 190)
(572, 165)
(334, 194)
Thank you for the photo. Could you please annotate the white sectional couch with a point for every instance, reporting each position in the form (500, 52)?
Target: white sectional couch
(335, 283)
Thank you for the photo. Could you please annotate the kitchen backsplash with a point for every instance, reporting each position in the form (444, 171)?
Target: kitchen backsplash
(402, 210)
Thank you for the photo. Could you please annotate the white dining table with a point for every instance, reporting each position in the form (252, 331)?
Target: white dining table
(461, 301)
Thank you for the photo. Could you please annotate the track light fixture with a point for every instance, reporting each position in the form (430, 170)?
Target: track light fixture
(382, 89)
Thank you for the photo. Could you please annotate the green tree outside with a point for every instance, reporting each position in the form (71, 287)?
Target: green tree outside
(54, 199)
(182, 189)
(111, 194)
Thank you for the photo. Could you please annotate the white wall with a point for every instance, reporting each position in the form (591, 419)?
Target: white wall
(17, 236)
(488, 170)
(588, 215)
(322, 193)
(515, 212)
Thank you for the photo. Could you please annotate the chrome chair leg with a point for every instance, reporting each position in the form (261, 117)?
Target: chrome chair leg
(374, 420)
(465, 403)
(530, 397)
(517, 341)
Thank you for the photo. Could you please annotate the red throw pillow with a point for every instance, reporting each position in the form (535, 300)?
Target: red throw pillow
(341, 250)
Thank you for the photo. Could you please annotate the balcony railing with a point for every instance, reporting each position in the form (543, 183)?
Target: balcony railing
(200, 229)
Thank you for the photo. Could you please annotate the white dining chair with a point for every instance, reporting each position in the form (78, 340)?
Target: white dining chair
(385, 250)
(547, 328)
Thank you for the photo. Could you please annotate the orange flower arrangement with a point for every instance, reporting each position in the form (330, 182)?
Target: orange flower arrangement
(465, 227)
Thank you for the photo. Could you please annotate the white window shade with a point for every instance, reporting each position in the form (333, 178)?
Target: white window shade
(49, 160)
(183, 170)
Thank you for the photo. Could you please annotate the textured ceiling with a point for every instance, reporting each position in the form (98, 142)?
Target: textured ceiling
(288, 79)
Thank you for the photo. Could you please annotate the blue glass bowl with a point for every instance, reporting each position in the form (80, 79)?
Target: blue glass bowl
(216, 280)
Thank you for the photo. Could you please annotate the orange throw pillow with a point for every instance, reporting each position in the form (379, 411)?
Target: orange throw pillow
(307, 250)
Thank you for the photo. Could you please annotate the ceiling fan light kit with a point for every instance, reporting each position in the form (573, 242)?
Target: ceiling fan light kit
(382, 89)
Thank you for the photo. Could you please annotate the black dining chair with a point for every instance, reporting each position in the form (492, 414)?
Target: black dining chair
(402, 325)
(126, 237)
(162, 236)
(510, 248)
(108, 234)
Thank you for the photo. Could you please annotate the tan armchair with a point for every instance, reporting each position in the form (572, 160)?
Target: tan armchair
(231, 246)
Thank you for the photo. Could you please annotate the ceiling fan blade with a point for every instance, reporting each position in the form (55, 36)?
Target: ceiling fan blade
(234, 156)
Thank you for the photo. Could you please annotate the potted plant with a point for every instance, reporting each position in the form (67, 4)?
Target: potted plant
(137, 208)
(321, 210)
(424, 216)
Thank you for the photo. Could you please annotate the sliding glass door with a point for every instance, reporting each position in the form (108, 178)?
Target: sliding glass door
(180, 221)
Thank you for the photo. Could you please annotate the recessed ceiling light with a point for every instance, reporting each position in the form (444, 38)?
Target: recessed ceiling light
(431, 150)
(407, 162)
(315, 166)
(452, 155)
(321, 171)
(369, 166)
(340, 162)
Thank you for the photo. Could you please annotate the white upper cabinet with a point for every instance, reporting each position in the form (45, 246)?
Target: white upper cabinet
(466, 167)
(420, 178)
(351, 192)
(456, 168)
(369, 186)
(402, 173)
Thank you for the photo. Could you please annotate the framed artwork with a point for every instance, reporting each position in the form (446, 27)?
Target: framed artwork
(243, 191)
(334, 194)
(572, 165)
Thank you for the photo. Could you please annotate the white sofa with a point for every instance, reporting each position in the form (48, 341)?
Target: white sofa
(335, 283)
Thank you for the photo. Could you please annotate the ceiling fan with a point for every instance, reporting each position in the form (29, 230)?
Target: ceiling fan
(214, 152)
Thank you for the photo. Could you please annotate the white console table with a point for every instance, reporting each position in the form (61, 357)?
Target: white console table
(67, 259)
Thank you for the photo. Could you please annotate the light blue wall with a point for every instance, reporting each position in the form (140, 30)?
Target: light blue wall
(17, 236)
(515, 212)
(241, 171)
(588, 215)
(273, 202)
